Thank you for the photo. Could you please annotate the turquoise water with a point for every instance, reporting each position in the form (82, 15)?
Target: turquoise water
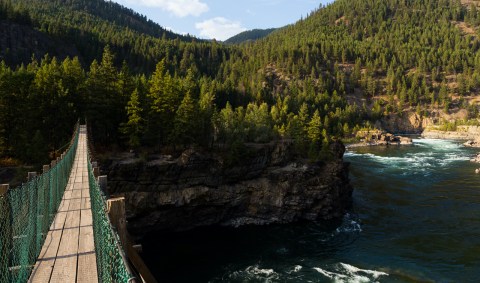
(415, 218)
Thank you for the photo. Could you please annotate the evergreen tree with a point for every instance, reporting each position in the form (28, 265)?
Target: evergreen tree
(185, 123)
(133, 128)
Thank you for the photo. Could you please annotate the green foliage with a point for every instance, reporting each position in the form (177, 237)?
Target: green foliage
(133, 128)
(249, 35)
(185, 124)
(155, 88)
(452, 125)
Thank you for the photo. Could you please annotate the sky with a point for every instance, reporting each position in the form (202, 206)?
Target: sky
(222, 19)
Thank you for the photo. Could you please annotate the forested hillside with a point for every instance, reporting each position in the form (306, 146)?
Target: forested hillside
(249, 35)
(340, 69)
(90, 25)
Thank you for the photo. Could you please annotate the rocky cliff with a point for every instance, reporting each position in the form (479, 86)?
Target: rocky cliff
(406, 123)
(198, 189)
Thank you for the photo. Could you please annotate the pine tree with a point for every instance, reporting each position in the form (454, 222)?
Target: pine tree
(133, 128)
(314, 128)
(185, 123)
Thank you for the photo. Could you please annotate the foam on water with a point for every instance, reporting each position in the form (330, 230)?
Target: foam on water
(343, 272)
(441, 154)
(349, 225)
(295, 269)
(254, 272)
(354, 270)
(329, 274)
(437, 144)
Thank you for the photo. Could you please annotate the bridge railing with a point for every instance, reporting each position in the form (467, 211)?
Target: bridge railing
(112, 264)
(26, 214)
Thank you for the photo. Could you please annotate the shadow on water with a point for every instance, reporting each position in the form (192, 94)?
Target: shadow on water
(416, 218)
(237, 254)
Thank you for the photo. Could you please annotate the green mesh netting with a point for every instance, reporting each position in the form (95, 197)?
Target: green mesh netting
(26, 213)
(110, 263)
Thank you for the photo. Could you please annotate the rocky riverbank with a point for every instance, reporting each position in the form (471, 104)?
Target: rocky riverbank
(461, 133)
(198, 189)
(375, 138)
(469, 133)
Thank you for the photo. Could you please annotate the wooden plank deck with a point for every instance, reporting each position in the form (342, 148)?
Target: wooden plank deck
(68, 254)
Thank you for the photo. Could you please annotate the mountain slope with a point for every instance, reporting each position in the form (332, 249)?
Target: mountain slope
(392, 55)
(351, 65)
(91, 25)
(249, 35)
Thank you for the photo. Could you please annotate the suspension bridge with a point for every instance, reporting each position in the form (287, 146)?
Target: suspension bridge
(56, 227)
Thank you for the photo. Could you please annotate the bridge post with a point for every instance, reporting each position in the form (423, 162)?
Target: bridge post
(6, 233)
(96, 169)
(96, 172)
(116, 212)
(46, 168)
(3, 189)
(102, 182)
(31, 176)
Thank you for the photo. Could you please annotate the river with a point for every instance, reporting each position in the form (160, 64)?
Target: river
(415, 218)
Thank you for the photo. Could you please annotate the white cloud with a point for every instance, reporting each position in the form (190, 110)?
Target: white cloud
(180, 8)
(219, 28)
(176, 31)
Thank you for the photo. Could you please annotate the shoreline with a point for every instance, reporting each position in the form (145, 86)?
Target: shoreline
(378, 138)
(368, 144)
(461, 133)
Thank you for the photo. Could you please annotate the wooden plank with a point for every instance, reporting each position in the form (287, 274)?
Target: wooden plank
(86, 193)
(46, 260)
(87, 268)
(77, 186)
(65, 269)
(86, 204)
(86, 219)
(59, 220)
(67, 194)
(44, 265)
(76, 194)
(87, 262)
(73, 219)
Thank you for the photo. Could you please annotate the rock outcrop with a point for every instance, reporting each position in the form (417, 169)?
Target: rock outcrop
(407, 123)
(372, 138)
(197, 189)
(476, 159)
(472, 143)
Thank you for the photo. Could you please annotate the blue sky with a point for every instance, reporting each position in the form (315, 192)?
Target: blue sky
(221, 19)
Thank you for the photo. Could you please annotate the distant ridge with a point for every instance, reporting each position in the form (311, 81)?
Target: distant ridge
(249, 35)
(83, 28)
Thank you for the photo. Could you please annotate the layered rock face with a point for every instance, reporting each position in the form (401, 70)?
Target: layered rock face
(197, 189)
(409, 123)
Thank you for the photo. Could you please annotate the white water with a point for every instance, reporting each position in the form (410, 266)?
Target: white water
(343, 272)
(419, 162)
